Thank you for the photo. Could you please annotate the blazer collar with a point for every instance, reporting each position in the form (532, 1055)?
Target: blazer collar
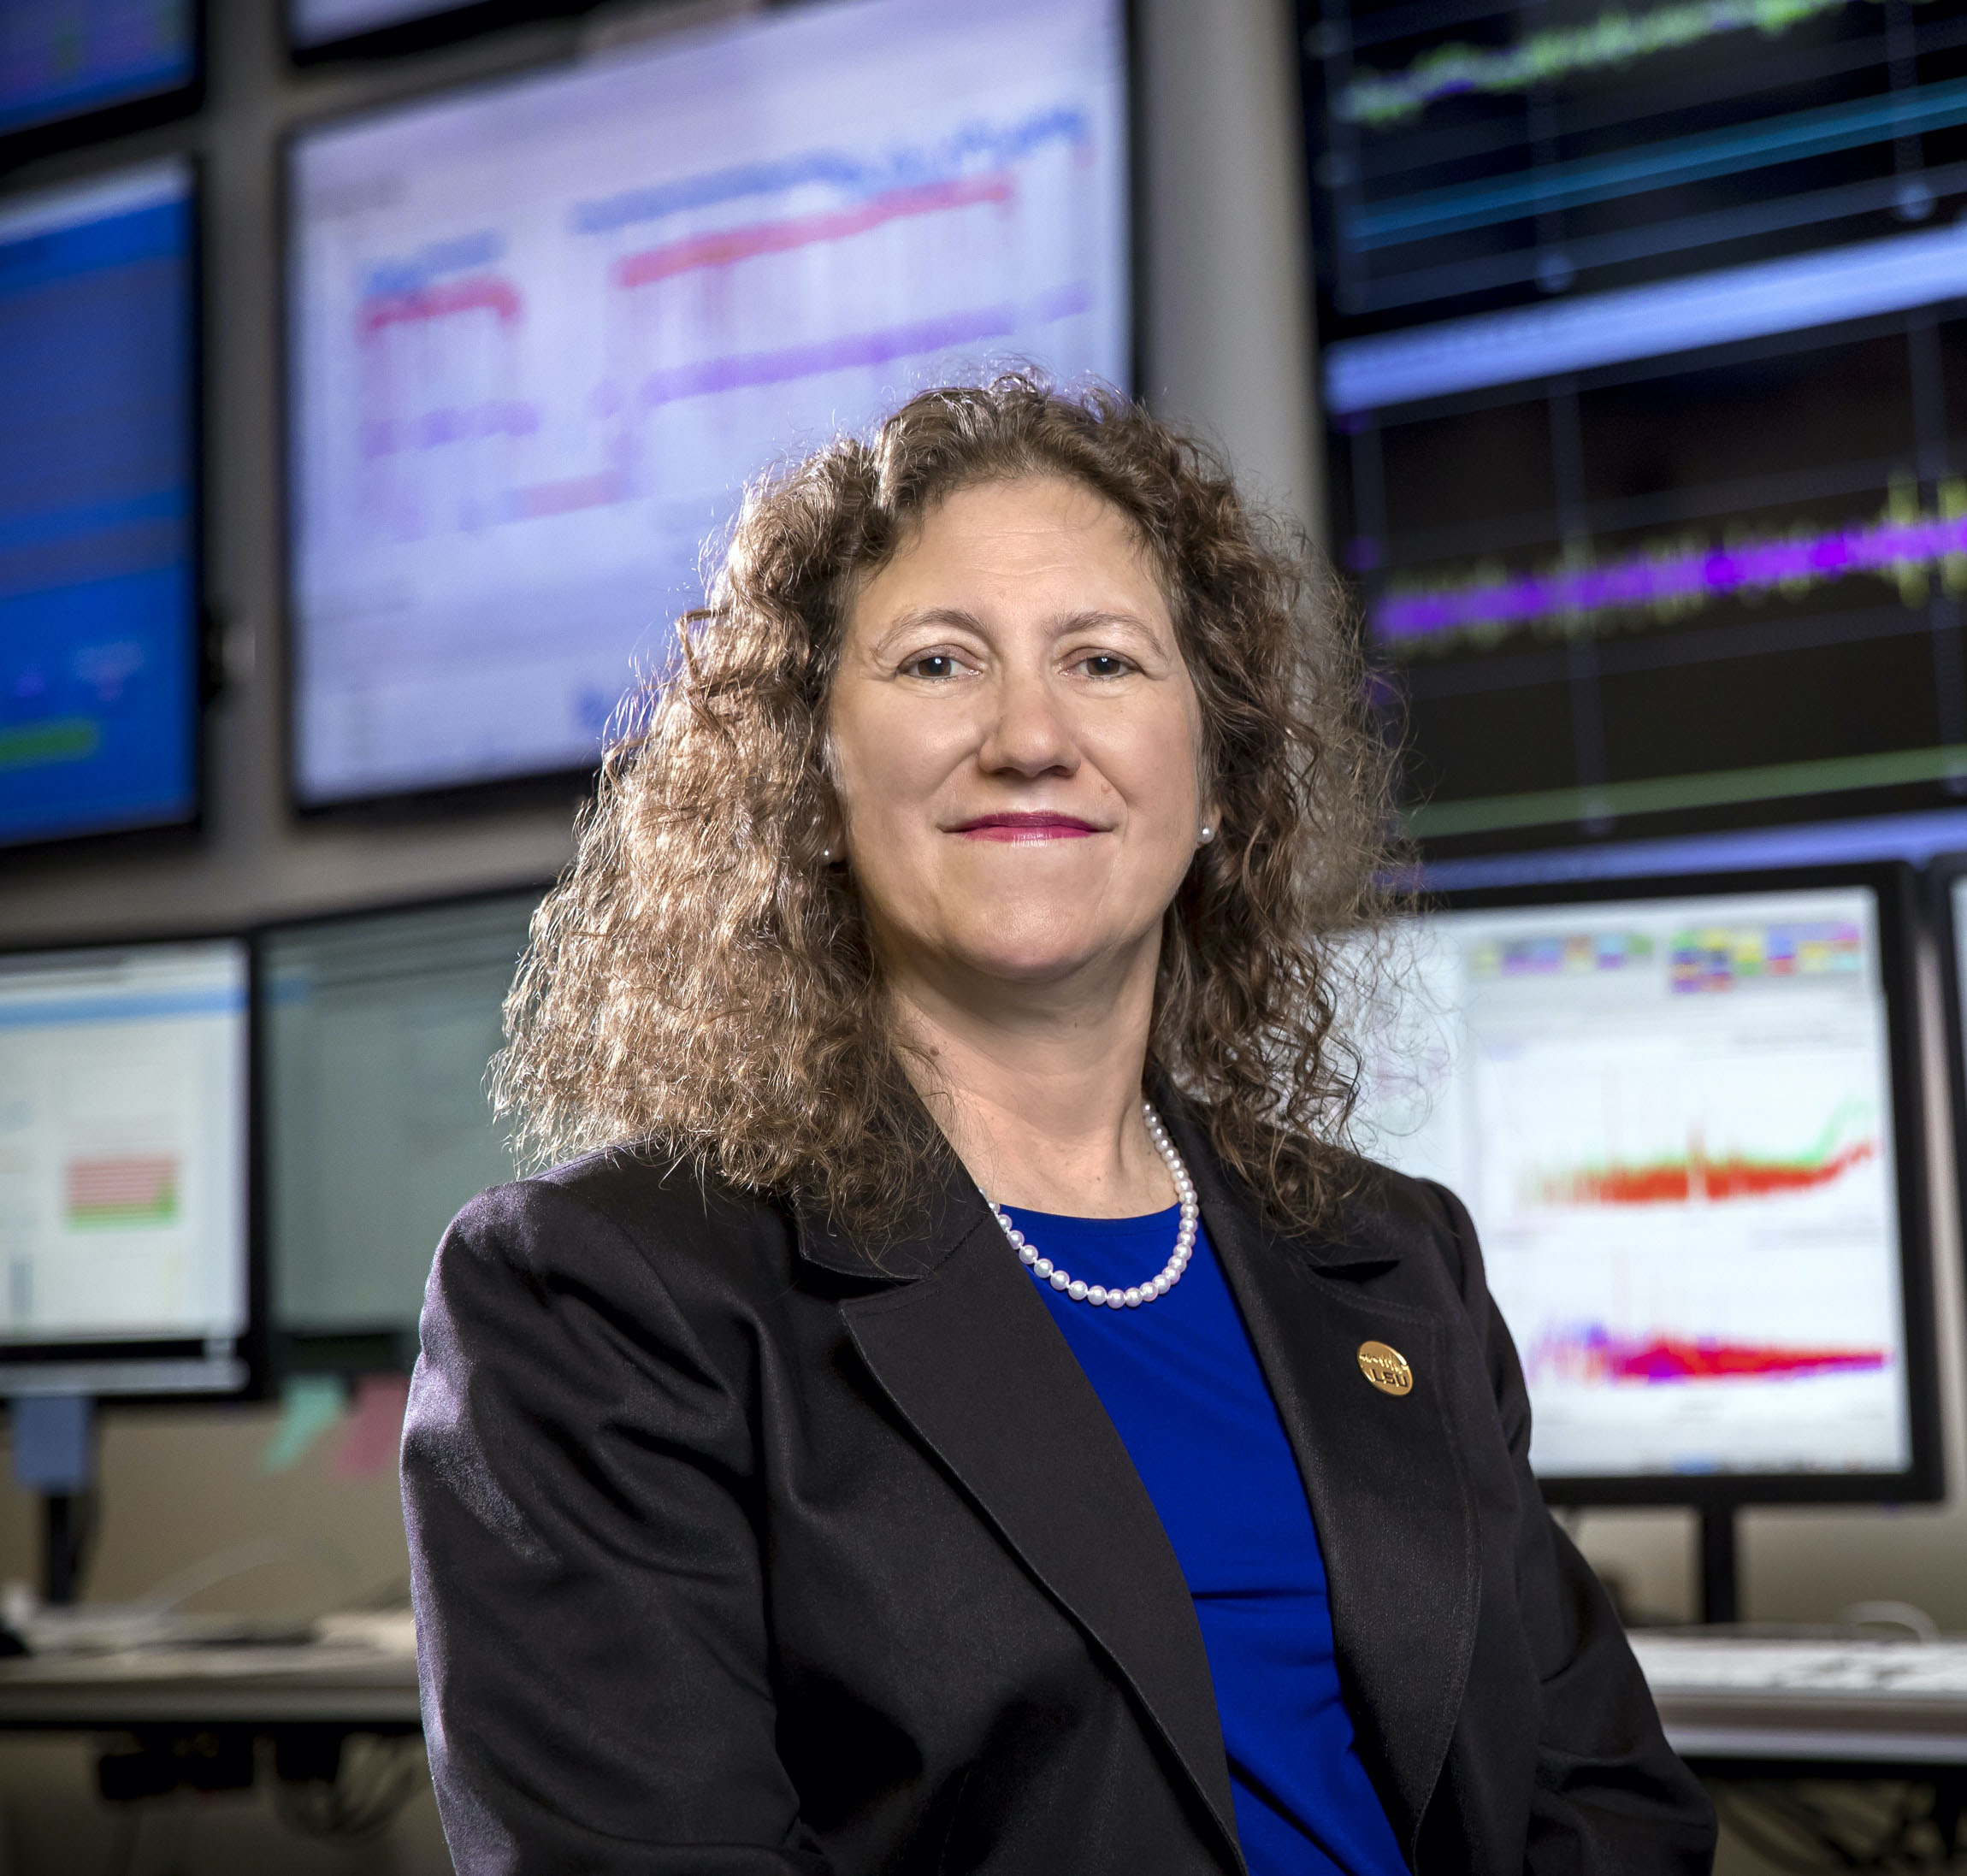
(958, 1340)
(1389, 1494)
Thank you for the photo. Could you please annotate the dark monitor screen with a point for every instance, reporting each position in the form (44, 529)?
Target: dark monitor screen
(123, 1170)
(1686, 1124)
(99, 477)
(71, 58)
(543, 333)
(377, 1033)
(1645, 377)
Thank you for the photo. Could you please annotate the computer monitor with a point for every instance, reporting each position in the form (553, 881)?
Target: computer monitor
(376, 1032)
(98, 65)
(1639, 329)
(543, 332)
(124, 1245)
(99, 479)
(1684, 1118)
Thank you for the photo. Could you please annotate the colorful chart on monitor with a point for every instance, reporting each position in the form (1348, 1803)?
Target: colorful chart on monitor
(1672, 1123)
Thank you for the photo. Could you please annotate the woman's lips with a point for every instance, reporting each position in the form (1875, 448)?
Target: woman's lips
(1026, 827)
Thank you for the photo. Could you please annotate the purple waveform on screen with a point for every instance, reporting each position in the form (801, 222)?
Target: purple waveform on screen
(1672, 580)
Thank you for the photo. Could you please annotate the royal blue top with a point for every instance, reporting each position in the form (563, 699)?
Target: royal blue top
(1180, 1381)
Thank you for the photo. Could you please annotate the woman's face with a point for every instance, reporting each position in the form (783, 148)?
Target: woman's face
(1017, 742)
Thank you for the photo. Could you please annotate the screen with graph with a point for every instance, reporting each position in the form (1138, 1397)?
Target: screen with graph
(544, 332)
(1672, 1120)
(70, 58)
(123, 1095)
(99, 475)
(376, 1033)
(1644, 374)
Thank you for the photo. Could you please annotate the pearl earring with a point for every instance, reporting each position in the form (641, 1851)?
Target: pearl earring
(826, 855)
(1208, 834)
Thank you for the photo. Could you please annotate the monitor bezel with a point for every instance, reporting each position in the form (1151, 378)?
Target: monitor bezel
(282, 1359)
(561, 788)
(251, 1345)
(1943, 871)
(121, 117)
(202, 660)
(1895, 887)
(423, 33)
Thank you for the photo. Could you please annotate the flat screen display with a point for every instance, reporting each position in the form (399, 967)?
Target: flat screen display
(377, 1033)
(544, 332)
(1672, 1120)
(68, 58)
(1644, 376)
(98, 473)
(123, 1169)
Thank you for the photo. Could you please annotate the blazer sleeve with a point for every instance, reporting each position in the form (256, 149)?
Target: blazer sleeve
(584, 1563)
(1611, 1797)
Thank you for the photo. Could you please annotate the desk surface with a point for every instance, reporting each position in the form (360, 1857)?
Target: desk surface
(1900, 1704)
(360, 1673)
(1851, 1702)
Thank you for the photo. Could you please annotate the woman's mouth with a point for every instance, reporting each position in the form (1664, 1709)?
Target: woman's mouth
(1031, 826)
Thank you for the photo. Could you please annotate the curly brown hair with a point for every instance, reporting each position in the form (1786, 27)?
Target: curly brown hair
(702, 981)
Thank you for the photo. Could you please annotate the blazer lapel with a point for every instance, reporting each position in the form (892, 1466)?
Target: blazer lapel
(1383, 1473)
(971, 1359)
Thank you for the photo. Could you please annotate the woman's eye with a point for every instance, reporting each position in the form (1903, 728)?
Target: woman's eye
(932, 665)
(1104, 664)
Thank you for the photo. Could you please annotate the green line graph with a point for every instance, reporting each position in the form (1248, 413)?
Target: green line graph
(1379, 100)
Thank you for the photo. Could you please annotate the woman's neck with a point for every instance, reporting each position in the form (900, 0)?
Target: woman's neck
(1039, 1091)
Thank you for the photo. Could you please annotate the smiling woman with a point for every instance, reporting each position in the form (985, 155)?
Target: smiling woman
(800, 1480)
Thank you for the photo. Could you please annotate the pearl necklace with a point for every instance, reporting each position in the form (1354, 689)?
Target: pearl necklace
(1135, 1295)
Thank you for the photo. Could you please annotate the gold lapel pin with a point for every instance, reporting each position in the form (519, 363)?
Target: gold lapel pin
(1385, 1368)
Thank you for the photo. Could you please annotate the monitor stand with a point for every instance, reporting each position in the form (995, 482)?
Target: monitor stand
(67, 1521)
(1720, 1597)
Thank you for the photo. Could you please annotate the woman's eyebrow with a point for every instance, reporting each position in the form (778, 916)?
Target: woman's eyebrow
(917, 618)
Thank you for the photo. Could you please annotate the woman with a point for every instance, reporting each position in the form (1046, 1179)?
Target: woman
(968, 1412)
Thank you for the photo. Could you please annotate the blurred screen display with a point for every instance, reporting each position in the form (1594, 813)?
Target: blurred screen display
(99, 601)
(320, 22)
(378, 1032)
(123, 1163)
(1645, 372)
(1672, 1121)
(544, 332)
(63, 58)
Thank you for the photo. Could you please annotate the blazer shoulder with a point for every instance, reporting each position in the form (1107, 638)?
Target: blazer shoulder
(629, 1195)
(1405, 1214)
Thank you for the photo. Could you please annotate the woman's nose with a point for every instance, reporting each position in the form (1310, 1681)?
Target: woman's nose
(1029, 732)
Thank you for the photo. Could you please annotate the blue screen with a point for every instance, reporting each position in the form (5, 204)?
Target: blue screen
(98, 599)
(60, 58)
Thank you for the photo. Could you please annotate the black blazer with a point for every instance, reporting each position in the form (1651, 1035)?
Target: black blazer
(734, 1553)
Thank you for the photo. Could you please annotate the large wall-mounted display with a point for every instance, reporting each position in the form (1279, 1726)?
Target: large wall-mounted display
(99, 473)
(1644, 374)
(1686, 1124)
(64, 60)
(542, 332)
(124, 1262)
